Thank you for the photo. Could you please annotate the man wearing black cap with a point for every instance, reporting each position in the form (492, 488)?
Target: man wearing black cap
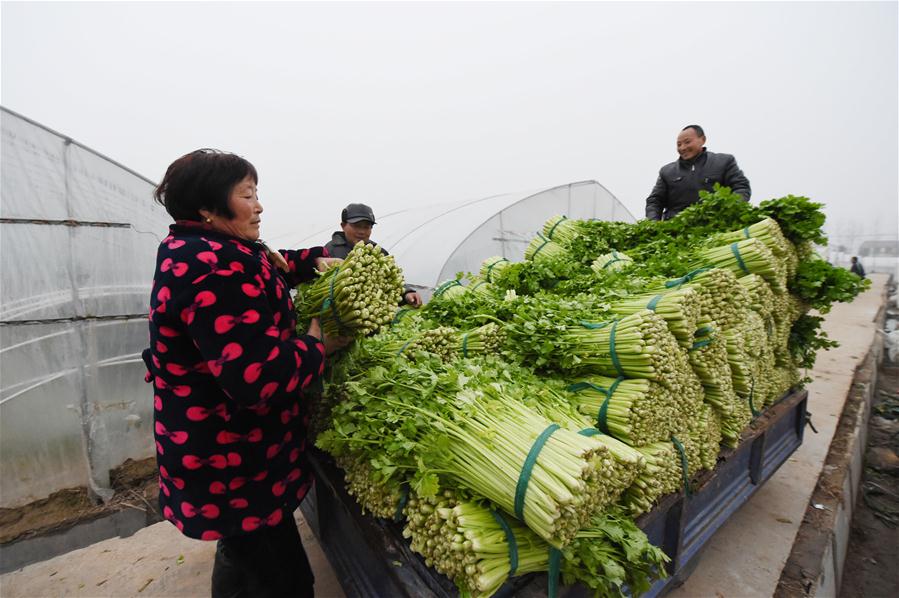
(356, 222)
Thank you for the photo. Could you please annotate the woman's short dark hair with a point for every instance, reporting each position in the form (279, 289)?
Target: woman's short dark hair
(202, 179)
(697, 128)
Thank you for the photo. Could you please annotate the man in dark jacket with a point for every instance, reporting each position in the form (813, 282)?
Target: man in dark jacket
(697, 169)
(856, 267)
(356, 222)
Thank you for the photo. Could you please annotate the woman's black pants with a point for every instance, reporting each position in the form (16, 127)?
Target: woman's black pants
(269, 563)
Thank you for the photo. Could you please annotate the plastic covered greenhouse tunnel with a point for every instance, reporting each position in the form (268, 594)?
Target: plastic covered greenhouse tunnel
(79, 237)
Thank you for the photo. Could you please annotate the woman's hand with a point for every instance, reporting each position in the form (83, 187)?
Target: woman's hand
(323, 263)
(332, 343)
(335, 343)
(315, 328)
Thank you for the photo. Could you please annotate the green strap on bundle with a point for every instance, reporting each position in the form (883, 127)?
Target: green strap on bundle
(510, 540)
(703, 331)
(490, 268)
(684, 465)
(442, 288)
(686, 278)
(555, 566)
(525, 476)
(654, 302)
(615, 361)
(736, 251)
(601, 423)
(746, 233)
(542, 245)
(755, 412)
(589, 432)
(465, 344)
(701, 344)
(591, 326)
(403, 348)
(404, 498)
(552, 230)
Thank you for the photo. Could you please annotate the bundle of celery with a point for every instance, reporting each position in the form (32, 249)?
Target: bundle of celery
(636, 346)
(722, 299)
(708, 358)
(472, 544)
(749, 256)
(353, 298)
(375, 493)
(614, 260)
(450, 289)
(635, 410)
(562, 230)
(492, 266)
(662, 474)
(483, 340)
(768, 232)
(480, 548)
(541, 248)
(679, 308)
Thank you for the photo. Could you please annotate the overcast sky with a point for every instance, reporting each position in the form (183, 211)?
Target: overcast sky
(397, 104)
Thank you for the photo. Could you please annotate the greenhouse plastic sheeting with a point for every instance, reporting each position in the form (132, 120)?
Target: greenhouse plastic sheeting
(78, 244)
(432, 243)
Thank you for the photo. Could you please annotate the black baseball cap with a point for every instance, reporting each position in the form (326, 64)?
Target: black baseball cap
(357, 212)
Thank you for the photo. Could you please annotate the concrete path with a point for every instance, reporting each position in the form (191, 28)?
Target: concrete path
(157, 561)
(746, 556)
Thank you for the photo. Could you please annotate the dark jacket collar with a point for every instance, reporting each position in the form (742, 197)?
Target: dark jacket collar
(699, 159)
(338, 238)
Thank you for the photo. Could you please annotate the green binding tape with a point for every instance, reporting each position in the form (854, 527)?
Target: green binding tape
(525, 476)
(589, 432)
(442, 288)
(736, 251)
(465, 344)
(404, 498)
(490, 268)
(400, 314)
(701, 344)
(755, 412)
(552, 230)
(542, 245)
(403, 348)
(555, 564)
(610, 262)
(615, 361)
(654, 302)
(601, 422)
(510, 540)
(703, 331)
(591, 326)
(684, 465)
(686, 278)
(746, 232)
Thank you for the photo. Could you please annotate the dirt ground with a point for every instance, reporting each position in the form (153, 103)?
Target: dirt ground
(135, 486)
(870, 570)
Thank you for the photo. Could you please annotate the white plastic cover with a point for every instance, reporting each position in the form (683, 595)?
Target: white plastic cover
(78, 238)
(432, 243)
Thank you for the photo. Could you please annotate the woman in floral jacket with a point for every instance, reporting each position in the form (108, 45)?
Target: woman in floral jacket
(229, 372)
